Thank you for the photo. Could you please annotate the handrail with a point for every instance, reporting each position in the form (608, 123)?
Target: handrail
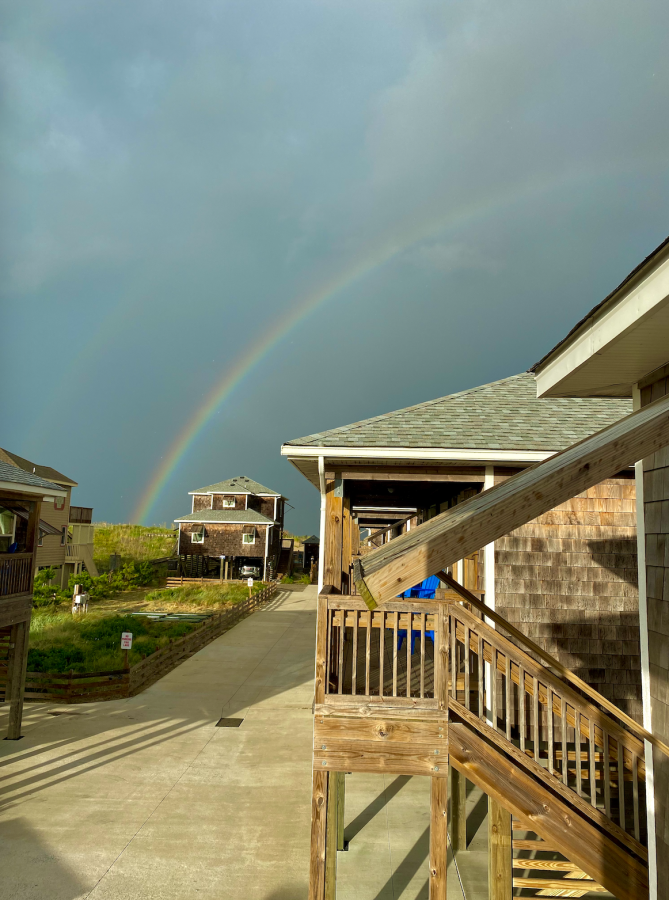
(567, 674)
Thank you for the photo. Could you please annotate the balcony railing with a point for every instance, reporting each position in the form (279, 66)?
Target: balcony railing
(77, 550)
(16, 571)
(81, 515)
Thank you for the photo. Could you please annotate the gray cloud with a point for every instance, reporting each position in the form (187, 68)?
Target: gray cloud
(177, 177)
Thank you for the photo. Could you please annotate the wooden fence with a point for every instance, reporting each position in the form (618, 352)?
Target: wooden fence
(88, 687)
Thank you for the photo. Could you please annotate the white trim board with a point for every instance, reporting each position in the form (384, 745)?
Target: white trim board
(611, 325)
(427, 453)
(19, 488)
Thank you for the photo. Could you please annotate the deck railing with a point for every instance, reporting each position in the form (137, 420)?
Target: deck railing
(16, 572)
(598, 761)
(369, 655)
(425, 654)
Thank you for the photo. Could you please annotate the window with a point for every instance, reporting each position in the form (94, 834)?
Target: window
(7, 529)
(197, 537)
(40, 539)
(59, 503)
(249, 536)
(63, 536)
(228, 502)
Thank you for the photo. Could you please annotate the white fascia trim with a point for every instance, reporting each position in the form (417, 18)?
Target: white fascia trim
(446, 454)
(606, 327)
(31, 489)
(219, 522)
(221, 493)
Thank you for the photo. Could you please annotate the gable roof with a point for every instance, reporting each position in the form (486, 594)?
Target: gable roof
(230, 516)
(312, 539)
(239, 485)
(11, 474)
(613, 296)
(13, 459)
(502, 415)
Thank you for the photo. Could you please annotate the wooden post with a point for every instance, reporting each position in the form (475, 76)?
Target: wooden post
(20, 635)
(458, 810)
(319, 808)
(334, 502)
(331, 838)
(346, 548)
(438, 834)
(500, 872)
(341, 799)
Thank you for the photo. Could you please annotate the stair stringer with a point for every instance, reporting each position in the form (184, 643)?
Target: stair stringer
(609, 864)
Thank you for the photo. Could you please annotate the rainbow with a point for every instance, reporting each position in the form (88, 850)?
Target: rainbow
(309, 305)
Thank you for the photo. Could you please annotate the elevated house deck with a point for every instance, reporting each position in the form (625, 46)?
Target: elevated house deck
(21, 497)
(527, 681)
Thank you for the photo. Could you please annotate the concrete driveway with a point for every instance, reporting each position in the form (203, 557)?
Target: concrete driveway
(147, 798)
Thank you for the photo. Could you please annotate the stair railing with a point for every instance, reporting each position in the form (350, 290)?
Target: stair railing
(527, 710)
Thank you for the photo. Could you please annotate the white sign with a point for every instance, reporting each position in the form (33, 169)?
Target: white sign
(250, 582)
(126, 640)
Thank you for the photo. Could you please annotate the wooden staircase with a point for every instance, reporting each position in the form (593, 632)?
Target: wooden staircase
(543, 747)
(541, 869)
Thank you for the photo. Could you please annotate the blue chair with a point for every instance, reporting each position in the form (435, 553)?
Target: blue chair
(425, 591)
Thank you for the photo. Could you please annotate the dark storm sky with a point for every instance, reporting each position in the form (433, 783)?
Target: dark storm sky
(178, 177)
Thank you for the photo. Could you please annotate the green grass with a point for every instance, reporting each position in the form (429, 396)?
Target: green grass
(134, 543)
(201, 597)
(60, 642)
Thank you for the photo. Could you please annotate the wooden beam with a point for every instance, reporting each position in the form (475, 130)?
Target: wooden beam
(438, 835)
(540, 811)
(458, 810)
(465, 474)
(441, 541)
(500, 873)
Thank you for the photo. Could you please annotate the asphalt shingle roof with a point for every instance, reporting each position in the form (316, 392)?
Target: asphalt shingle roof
(503, 415)
(17, 475)
(239, 485)
(35, 469)
(229, 516)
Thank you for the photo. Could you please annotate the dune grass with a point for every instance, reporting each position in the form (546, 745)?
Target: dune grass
(201, 597)
(60, 642)
(133, 543)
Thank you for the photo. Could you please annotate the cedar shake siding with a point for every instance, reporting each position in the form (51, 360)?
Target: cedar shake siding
(568, 580)
(263, 505)
(656, 519)
(222, 540)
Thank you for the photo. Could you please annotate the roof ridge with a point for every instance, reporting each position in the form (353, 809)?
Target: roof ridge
(423, 405)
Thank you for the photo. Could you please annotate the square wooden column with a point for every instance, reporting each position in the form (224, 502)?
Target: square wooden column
(438, 834)
(334, 533)
(319, 811)
(458, 810)
(16, 677)
(500, 871)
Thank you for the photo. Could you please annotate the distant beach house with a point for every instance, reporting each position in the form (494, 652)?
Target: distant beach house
(239, 521)
(65, 532)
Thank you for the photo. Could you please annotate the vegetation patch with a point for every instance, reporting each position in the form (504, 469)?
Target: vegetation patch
(129, 577)
(195, 597)
(133, 543)
(61, 642)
